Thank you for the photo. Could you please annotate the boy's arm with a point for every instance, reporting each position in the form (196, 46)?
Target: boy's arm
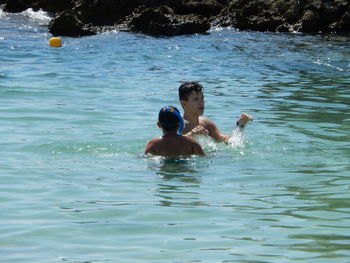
(198, 130)
(214, 131)
(218, 135)
(207, 127)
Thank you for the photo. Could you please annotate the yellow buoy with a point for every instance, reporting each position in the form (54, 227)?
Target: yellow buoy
(55, 42)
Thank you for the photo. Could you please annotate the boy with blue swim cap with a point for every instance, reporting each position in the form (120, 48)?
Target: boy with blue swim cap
(172, 143)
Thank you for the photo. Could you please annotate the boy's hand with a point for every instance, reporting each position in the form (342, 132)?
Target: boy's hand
(244, 119)
(198, 130)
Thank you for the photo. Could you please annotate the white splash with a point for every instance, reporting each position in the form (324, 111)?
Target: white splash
(237, 138)
(40, 17)
(208, 144)
(2, 13)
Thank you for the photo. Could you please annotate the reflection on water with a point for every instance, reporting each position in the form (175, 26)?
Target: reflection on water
(173, 167)
(324, 211)
(176, 167)
(316, 111)
(180, 181)
(326, 245)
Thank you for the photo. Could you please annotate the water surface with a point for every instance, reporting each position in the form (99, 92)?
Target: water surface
(74, 186)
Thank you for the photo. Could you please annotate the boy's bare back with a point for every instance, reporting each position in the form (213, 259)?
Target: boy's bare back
(173, 145)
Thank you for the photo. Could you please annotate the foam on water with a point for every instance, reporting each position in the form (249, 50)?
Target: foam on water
(2, 13)
(41, 17)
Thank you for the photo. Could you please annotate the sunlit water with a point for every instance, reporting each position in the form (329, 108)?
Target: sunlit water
(75, 187)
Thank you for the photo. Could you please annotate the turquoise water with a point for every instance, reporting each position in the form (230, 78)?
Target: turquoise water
(74, 186)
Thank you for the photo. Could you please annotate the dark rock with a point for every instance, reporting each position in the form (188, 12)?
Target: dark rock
(324, 16)
(343, 24)
(286, 15)
(223, 2)
(16, 6)
(309, 21)
(104, 12)
(206, 8)
(53, 6)
(68, 24)
(163, 22)
(253, 15)
(189, 16)
(109, 12)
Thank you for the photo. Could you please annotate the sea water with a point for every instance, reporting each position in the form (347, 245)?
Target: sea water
(75, 186)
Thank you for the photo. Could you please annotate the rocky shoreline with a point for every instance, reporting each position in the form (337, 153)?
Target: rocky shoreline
(176, 17)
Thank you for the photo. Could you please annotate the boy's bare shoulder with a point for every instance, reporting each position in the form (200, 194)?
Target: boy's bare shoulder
(206, 123)
(190, 139)
(152, 145)
(154, 140)
(204, 120)
(196, 148)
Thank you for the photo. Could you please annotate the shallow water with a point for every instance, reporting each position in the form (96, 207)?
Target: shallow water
(74, 122)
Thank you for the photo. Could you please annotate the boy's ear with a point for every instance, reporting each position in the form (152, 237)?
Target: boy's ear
(159, 124)
(183, 102)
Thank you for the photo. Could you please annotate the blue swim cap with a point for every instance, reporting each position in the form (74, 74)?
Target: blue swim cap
(176, 112)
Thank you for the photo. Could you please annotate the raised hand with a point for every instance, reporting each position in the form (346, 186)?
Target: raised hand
(198, 130)
(244, 119)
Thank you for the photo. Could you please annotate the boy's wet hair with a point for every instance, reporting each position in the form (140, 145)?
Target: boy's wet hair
(186, 89)
(169, 120)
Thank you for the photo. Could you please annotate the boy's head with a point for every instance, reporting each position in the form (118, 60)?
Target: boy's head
(187, 88)
(170, 119)
(192, 98)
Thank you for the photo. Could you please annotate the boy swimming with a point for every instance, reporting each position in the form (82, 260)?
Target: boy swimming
(192, 101)
(172, 143)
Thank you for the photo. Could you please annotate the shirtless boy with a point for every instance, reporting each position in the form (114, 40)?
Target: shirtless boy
(192, 100)
(172, 143)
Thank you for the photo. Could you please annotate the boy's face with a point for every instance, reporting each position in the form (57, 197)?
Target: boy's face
(194, 104)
